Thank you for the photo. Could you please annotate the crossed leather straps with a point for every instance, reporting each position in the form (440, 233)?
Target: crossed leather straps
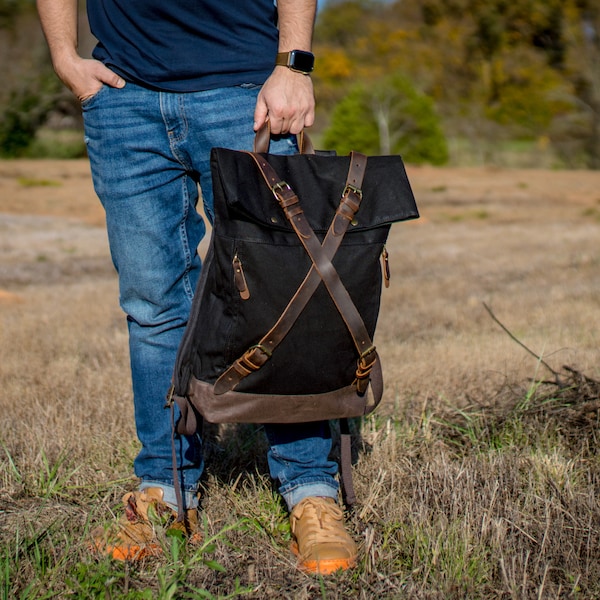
(321, 270)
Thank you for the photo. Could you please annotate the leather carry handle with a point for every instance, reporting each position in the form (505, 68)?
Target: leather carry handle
(262, 140)
(256, 356)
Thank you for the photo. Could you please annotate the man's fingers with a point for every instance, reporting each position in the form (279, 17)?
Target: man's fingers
(294, 123)
(260, 113)
(105, 75)
(277, 125)
(287, 100)
(85, 77)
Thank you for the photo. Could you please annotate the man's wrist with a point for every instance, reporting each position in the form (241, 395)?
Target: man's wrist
(64, 56)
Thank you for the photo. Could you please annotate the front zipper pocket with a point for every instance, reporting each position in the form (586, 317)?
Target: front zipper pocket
(385, 264)
(240, 279)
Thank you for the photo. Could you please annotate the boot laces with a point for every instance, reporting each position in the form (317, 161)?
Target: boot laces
(323, 521)
(142, 508)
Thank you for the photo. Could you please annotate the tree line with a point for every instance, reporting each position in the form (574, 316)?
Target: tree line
(397, 76)
(495, 70)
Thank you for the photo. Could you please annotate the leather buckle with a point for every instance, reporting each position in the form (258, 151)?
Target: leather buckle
(281, 186)
(264, 349)
(255, 357)
(367, 352)
(352, 188)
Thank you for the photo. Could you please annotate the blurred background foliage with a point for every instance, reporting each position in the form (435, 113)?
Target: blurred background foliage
(508, 82)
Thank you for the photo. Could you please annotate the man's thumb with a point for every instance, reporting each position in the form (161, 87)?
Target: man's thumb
(260, 114)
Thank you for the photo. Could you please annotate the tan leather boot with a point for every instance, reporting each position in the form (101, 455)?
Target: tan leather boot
(322, 543)
(134, 536)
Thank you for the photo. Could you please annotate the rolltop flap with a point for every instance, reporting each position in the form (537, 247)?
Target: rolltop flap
(319, 182)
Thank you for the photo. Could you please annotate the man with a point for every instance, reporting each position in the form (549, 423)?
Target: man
(169, 81)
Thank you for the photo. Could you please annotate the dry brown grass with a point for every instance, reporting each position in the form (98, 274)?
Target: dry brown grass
(473, 481)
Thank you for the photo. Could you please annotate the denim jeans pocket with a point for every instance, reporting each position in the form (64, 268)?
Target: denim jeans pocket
(87, 102)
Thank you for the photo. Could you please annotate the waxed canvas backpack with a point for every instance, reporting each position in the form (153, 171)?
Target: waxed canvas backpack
(283, 318)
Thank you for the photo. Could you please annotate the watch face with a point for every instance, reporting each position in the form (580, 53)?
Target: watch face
(302, 61)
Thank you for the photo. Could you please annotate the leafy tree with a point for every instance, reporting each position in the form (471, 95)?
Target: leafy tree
(528, 94)
(26, 110)
(389, 117)
(10, 9)
(495, 69)
(341, 22)
(30, 88)
(578, 131)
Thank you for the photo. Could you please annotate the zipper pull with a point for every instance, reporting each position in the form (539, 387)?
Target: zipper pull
(239, 278)
(386, 266)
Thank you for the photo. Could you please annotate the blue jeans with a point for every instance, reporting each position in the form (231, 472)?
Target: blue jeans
(149, 151)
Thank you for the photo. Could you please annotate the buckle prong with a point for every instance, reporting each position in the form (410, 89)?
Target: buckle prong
(280, 186)
(264, 349)
(368, 351)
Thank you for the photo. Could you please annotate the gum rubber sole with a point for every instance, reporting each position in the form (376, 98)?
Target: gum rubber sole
(326, 566)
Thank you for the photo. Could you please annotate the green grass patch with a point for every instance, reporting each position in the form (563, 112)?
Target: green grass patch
(468, 215)
(30, 182)
(592, 212)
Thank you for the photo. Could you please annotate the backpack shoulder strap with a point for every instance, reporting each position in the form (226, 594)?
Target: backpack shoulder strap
(256, 356)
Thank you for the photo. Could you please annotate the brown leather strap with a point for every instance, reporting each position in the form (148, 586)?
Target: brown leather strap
(346, 463)
(262, 140)
(289, 202)
(257, 355)
(175, 464)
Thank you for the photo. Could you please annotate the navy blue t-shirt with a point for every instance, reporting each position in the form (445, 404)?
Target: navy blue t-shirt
(186, 45)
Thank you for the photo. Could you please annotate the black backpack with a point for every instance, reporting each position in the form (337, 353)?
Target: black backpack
(284, 314)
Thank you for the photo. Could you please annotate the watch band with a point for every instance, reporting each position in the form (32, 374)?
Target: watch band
(300, 61)
(282, 59)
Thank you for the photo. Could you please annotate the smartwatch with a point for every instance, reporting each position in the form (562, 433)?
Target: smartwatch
(296, 60)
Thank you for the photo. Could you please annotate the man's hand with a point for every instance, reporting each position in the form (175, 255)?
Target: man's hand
(84, 77)
(287, 100)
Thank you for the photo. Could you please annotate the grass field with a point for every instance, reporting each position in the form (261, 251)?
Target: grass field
(479, 476)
